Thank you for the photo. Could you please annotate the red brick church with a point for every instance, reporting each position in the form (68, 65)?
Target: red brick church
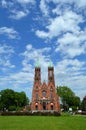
(44, 95)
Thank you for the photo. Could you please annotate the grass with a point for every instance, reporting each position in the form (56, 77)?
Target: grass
(43, 123)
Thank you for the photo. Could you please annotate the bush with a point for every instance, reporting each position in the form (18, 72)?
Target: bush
(30, 113)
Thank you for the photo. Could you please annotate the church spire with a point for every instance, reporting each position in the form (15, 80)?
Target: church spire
(37, 76)
(37, 64)
(50, 64)
(51, 72)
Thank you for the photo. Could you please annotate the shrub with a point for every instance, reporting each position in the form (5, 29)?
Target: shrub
(30, 113)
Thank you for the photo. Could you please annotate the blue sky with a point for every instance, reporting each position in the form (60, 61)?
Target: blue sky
(44, 30)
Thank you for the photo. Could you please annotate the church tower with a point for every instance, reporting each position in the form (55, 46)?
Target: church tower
(54, 99)
(37, 77)
(36, 88)
(44, 95)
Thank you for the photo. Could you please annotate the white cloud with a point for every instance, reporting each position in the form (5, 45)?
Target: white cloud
(33, 55)
(80, 3)
(19, 8)
(22, 77)
(18, 14)
(4, 49)
(26, 1)
(42, 34)
(7, 4)
(71, 44)
(4, 3)
(29, 47)
(25, 76)
(67, 22)
(71, 73)
(61, 6)
(44, 7)
(67, 64)
(72, 40)
(9, 32)
(5, 57)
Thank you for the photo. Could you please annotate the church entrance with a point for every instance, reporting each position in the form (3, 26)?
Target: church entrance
(51, 107)
(44, 105)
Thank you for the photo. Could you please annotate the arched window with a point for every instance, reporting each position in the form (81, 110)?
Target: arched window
(36, 87)
(51, 94)
(36, 95)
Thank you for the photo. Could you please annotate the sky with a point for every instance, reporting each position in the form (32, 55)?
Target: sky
(42, 31)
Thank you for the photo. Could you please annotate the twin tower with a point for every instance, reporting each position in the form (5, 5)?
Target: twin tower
(44, 95)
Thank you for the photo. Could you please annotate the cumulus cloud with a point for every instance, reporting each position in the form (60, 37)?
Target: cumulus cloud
(4, 3)
(26, 1)
(44, 7)
(22, 77)
(80, 3)
(9, 32)
(66, 28)
(19, 8)
(4, 49)
(25, 75)
(67, 22)
(71, 72)
(18, 14)
(60, 6)
(72, 45)
(35, 54)
(5, 57)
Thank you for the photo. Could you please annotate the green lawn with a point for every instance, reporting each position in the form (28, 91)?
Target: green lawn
(42, 123)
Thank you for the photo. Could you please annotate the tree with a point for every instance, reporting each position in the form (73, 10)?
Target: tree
(21, 99)
(68, 97)
(11, 100)
(7, 98)
(84, 104)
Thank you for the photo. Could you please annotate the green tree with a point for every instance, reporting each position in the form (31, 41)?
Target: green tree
(84, 104)
(68, 97)
(12, 100)
(7, 98)
(21, 99)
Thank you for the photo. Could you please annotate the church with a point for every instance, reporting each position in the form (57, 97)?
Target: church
(44, 95)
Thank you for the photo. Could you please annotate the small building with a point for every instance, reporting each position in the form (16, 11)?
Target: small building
(44, 95)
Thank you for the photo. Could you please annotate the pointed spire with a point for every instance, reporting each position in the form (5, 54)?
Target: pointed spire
(50, 64)
(37, 64)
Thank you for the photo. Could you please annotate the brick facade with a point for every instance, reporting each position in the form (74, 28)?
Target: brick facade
(44, 95)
